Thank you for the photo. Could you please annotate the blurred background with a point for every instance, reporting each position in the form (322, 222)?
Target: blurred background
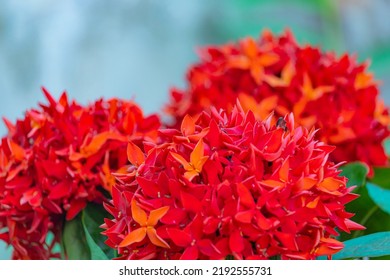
(138, 49)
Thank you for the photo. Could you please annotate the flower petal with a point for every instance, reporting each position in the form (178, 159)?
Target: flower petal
(155, 239)
(135, 154)
(133, 237)
(138, 214)
(156, 215)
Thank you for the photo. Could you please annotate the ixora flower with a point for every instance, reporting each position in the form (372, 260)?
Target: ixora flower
(227, 185)
(58, 158)
(337, 95)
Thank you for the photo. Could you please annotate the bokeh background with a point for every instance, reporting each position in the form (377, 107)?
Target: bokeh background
(138, 49)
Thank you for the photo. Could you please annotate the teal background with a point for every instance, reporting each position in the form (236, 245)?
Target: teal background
(140, 48)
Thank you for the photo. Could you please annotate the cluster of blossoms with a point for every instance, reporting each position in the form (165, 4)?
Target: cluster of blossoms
(58, 158)
(225, 185)
(334, 94)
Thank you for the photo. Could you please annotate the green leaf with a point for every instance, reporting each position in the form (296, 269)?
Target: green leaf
(381, 177)
(96, 252)
(387, 147)
(363, 206)
(380, 196)
(356, 172)
(74, 240)
(373, 245)
(93, 216)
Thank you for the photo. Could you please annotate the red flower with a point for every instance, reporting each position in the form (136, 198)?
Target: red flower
(228, 185)
(336, 95)
(58, 158)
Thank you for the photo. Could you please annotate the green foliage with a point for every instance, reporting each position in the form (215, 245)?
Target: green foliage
(373, 245)
(93, 217)
(387, 147)
(382, 177)
(74, 240)
(356, 172)
(368, 214)
(82, 239)
(380, 196)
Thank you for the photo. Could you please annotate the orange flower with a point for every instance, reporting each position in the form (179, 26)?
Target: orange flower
(146, 226)
(197, 160)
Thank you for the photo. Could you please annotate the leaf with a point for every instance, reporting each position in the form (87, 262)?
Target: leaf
(381, 177)
(93, 217)
(356, 172)
(387, 147)
(380, 196)
(373, 245)
(96, 252)
(362, 206)
(74, 240)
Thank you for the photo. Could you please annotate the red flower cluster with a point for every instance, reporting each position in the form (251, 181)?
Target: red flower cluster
(336, 95)
(226, 185)
(58, 158)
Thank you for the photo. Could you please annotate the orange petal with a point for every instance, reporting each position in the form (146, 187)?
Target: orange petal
(321, 90)
(305, 183)
(329, 246)
(343, 134)
(313, 204)
(257, 72)
(288, 73)
(17, 151)
(188, 125)
(273, 183)
(135, 154)
(156, 215)
(197, 155)
(363, 80)
(267, 59)
(99, 140)
(284, 171)
(138, 214)
(133, 237)
(155, 239)
(183, 162)
(239, 61)
(266, 106)
(249, 47)
(330, 185)
(189, 175)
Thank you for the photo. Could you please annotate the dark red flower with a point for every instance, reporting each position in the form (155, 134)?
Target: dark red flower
(228, 185)
(334, 94)
(56, 160)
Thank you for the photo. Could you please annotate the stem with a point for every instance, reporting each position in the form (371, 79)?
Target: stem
(365, 219)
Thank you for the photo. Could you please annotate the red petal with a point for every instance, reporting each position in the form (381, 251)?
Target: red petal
(207, 248)
(288, 240)
(190, 202)
(244, 216)
(236, 242)
(149, 188)
(245, 195)
(62, 189)
(179, 237)
(75, 207)
(191, 253)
